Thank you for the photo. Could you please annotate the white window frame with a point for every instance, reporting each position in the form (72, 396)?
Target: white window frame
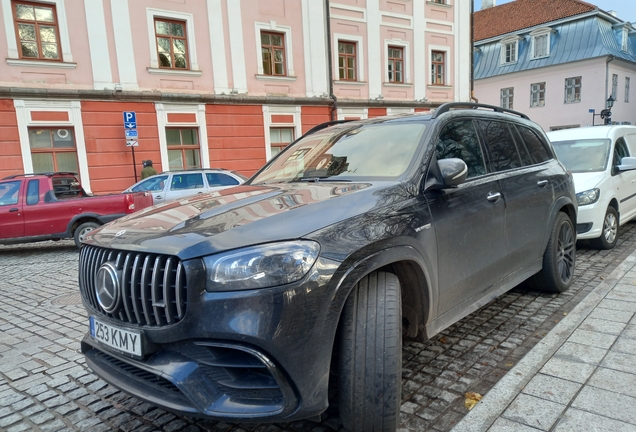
(573, 87)
(544, 31)
(359, 41)
(361, 113)
(447, 59)
(625, 40)
(537, 91)
(151, 14)
(627, 82)
(268, 111)
(514, 39)
(163, 110)
(289, 57)
(23, 109)
(509, 91)
(406, 60)
(13, 56)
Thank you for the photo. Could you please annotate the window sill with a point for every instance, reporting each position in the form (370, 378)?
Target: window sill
(350, 82)
(392, 84)
(275, 77)
(572, 102)
(439, 87)
(509, 63)
(41, 63)
(539, 58)
(159, 71)
(537, 106)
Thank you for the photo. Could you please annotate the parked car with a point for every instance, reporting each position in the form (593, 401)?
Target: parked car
(601, 158)
(174, 185)
(53, 206)
(236, 305)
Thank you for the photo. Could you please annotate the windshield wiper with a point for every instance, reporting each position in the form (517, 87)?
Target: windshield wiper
(320, 179)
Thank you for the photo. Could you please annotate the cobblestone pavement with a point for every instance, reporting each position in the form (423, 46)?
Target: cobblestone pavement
(45, 384)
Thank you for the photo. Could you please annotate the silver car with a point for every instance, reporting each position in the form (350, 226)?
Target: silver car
(173, 185)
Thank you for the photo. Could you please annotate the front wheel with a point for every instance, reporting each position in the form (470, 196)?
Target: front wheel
(370, 361)
(559, 258)
(609, 236)
(82, 230)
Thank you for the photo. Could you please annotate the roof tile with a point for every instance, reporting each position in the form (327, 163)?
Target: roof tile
(521, 14)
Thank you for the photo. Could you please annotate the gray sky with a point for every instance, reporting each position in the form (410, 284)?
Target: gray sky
(625, 9)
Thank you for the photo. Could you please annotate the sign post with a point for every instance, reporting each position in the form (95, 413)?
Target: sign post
(132, 136)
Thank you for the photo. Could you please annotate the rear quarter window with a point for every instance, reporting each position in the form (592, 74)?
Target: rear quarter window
(534, 144)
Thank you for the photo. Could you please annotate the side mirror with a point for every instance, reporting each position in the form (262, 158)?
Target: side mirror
(453, 171)
(627, 163)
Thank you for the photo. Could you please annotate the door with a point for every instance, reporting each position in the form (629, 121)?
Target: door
(11, 214)
(625, 181)
(468, 222)
(185, 184)
(157, 185)
(526, 186)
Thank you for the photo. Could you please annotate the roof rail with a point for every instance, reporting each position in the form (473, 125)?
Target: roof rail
(193, 169)
(456, 105)
(48, 174)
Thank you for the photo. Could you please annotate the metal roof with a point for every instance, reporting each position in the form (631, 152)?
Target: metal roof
(572, 40)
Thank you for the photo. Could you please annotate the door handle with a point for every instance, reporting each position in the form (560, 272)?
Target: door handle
(493, 197)
(157, 197)
(542, 183)
(13, 210)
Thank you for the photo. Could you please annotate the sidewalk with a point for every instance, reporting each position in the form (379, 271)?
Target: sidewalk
(581, 376)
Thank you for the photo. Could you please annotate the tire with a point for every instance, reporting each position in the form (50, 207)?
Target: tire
(609, 235)
(82, 230)
(370, 357)
(559, 258)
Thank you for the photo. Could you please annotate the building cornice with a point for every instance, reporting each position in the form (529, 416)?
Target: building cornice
(194, 98)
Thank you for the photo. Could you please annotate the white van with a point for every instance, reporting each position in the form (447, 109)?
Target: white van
(602, 160)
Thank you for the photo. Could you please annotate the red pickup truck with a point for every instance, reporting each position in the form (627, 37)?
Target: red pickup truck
(53, 206)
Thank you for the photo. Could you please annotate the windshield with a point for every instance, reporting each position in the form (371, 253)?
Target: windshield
(347, 153)
(584, 155)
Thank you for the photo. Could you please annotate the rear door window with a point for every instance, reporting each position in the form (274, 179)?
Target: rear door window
(220, 179)
(534, 144)
(500, 144)
(458, 139)
(186, 181)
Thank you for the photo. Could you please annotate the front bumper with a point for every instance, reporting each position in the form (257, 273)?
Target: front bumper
(590, 220)
(259, 355)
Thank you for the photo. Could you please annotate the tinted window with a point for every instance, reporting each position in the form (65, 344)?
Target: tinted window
(620, 151)
(218, 179)
(33, 192)
(501, 147)
(459, 140)
(153, 184)
(534, 144)
(9, 192)
(186, 181)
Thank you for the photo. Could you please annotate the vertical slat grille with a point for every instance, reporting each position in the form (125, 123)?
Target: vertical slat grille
(153, 287)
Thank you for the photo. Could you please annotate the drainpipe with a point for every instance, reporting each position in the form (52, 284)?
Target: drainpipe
(334, 107)
(607, 62)
(472, 52)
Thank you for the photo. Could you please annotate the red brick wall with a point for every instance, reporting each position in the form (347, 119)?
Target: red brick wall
(236, 137)
(10, 153)
(312, 116)
(110, 162)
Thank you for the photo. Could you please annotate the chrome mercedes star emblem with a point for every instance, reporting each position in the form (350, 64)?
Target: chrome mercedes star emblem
(120, 233)
(107, 287)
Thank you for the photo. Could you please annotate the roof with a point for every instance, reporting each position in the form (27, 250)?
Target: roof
(521, 14)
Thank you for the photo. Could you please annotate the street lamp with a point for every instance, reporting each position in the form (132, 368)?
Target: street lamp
(605, 114)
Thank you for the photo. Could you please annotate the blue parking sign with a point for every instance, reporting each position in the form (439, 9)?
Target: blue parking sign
(130, 120)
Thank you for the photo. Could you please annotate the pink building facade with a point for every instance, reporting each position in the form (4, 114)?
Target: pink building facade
(213, 83)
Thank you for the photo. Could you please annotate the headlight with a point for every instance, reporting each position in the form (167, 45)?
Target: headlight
(588, 197)
(260, 266)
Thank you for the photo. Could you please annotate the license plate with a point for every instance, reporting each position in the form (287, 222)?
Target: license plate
(125, 341)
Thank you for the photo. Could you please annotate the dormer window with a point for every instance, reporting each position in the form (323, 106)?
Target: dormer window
(509, 50)
(540, 42)
(624, 44)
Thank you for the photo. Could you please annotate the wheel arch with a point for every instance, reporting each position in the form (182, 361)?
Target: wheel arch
(79, 220)
(561, 205)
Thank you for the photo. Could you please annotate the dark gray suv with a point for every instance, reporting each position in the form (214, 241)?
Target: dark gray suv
(234, 305)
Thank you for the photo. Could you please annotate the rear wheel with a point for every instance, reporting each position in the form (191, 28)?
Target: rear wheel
(609, 236)
(370, 360)
(559, 258)
(82, 230)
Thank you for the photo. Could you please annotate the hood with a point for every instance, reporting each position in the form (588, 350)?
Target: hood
(587, 180)
(238, 217)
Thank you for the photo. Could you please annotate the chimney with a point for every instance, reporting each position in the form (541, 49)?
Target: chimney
(485, 4)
